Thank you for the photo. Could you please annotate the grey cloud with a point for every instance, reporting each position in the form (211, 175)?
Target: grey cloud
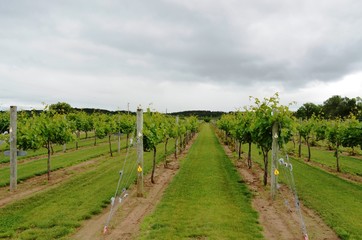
(239, 42)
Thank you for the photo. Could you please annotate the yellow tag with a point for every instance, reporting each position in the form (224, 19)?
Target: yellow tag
(139, 169)
(276, 172)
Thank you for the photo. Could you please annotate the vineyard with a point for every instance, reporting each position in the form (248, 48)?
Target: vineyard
(74, 161)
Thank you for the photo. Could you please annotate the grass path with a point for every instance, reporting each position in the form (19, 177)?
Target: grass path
(205, 200)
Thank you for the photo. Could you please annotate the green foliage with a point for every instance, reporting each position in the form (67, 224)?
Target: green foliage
(38, 166)
(321, 129)
(243, 131)
(335, 132)
(61, 108)
(42, 130)
(78, 121)
(88, 124)
(206, 119)
(306, 127)
(173, 127)
(125, 123)
(227, 123)
(192, 124)
(99, 121)
(27, 135)
(352, 134)
(308, 110)
(4, 122)
(4, 129)
(152, 130)
(268, 112)
(334, 107)
(338, 107)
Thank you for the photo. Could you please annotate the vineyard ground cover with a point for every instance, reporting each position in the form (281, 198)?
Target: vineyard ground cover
(348, 164)
(57, 212)
(205, 200)
(278, 221)
(125, 223)
(38, 166)
(336, 200)
(40, 183)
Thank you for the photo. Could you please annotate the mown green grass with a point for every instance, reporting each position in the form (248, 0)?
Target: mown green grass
(56, 213)
(39, 166)
(348, 164)
(337, 201)
(205, 200)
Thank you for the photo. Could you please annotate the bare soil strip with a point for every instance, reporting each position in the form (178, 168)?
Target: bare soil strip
(276, 218)
(125, 223)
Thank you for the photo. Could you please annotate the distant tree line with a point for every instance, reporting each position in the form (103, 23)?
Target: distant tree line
(333, 108)
(200, 114)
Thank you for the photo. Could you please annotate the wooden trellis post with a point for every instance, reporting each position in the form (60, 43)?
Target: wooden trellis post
(140, 152)
(13, 149)
(274, 169)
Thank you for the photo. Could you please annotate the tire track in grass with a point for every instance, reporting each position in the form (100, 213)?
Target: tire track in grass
(206, 199)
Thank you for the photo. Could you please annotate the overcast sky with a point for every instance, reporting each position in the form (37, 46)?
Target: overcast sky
(178, 54)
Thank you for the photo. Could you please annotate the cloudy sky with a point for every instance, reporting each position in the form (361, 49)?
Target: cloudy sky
(178, 54)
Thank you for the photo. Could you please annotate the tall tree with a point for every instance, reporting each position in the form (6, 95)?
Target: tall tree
(338, 107)
(307, 110)
(61, 108)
